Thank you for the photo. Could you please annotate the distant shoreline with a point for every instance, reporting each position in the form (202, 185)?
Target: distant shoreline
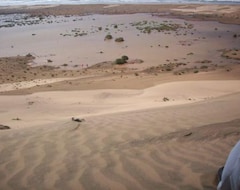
(224, 13)
(69, 2)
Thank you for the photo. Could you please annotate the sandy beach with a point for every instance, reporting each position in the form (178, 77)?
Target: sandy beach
(166, 118)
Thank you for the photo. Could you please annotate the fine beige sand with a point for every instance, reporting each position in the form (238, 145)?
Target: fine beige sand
(166, 119)
(175, 147)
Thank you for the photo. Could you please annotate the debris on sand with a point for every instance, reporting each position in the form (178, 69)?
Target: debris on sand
(4, 127)
(77, 119)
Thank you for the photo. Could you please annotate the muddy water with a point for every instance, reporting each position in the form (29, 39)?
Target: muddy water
(53, 39)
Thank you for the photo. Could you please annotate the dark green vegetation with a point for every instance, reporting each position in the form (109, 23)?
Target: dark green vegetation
(121, 60)
(108, 37)
(120, 39)
(149, 26)
(76, 32)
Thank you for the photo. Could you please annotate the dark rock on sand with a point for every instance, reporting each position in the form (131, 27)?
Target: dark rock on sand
(77, 119)
(3, 127)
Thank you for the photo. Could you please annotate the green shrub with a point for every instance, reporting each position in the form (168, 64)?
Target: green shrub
(120, 61)
(108, 37)
(29, 55)
(125, 58)
(120, 39)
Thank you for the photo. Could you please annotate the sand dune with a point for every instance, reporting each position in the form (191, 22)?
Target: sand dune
(48, 107)
(175, 147)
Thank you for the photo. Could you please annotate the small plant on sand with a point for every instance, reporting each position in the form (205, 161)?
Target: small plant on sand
(121, 60)
(149, 26)
(165, 99)
(108, 37)
(120, 39)
(29, 55)
(125, 58)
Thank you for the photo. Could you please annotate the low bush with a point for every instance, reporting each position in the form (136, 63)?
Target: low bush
(108, 37)
(125, 58)
(120, 61)
(120, 39)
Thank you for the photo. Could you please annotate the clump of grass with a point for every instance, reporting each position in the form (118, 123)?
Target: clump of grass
(120, 39)
(121, 60)
(76, 32)
(108, 37)
(125, 58)
(165, 99)
(149, 26)
(29, 55)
